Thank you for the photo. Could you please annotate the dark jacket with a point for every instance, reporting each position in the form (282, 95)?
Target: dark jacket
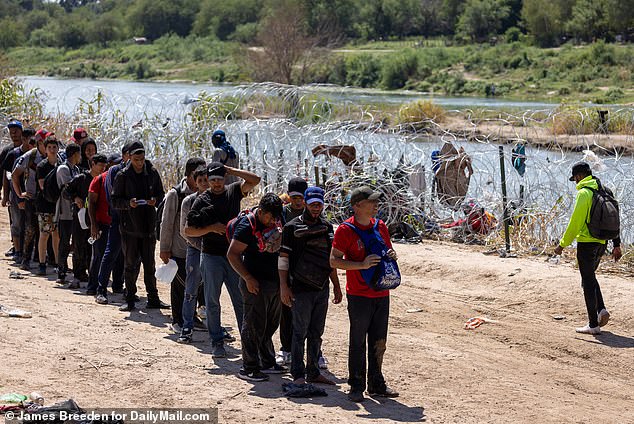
(128, 184)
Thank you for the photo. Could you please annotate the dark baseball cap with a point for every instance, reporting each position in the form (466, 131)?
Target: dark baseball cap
(580, 168)
(363, 193)
(216, 170)
(114, 158)
(137, 148)
(297, 186)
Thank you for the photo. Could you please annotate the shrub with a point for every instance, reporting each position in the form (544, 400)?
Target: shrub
(421, 113)
(397, 69)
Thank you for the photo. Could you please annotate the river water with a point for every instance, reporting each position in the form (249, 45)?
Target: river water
(280, 149)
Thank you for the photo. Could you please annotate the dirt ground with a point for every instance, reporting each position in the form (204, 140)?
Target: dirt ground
(524, 367)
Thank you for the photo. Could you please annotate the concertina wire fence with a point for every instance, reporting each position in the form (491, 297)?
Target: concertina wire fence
(276, 129)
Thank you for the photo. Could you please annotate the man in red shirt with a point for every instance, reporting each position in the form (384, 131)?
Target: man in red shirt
(368, 309)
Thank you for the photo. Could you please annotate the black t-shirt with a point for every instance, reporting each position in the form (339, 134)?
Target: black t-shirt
(4, 152)
(209, 208)
(41, 204)
(262, 265)
(11, 157)
(299, 235)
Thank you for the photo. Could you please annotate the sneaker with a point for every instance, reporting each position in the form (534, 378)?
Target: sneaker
(101, 299)
(227, 337)
(127, 307)
(283, 358)
(604, 317)
(588, 330)
(356, 396)
(199, 325)
(26, 266)
(219, 350)
(252, 376)
(275, 369)
(186, 336)
(91, 292)
(387, 392)
(175, 328)
(9, 253)
(323, 363)
(17, 258)
(41, 270)
(202, 312)
(61, 279)
(73, 285)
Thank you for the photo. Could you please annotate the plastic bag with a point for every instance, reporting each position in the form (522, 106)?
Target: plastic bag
(81, 216)
(165, 273)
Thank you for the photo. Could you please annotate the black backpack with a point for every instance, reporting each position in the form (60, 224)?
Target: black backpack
(51, 190)
(161, 206)
(603, 222)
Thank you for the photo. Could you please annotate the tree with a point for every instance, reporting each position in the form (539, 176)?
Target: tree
(154, 18)
(482, 19)
(543, 20)
(284, 43)
(589, 19)
(221, 18)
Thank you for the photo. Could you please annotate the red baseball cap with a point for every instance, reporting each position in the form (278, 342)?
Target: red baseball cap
(79, 133)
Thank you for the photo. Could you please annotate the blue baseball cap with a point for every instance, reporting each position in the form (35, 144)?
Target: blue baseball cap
(15, 124)
(314, 194)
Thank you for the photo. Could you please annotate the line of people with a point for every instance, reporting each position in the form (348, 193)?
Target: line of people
(276, 261)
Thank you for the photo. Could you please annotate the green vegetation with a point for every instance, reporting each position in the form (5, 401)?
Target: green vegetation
(529, 49)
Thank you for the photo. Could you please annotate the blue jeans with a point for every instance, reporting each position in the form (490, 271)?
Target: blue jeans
(98, 248)
(215, 270)
(112, 261)
(192, 285)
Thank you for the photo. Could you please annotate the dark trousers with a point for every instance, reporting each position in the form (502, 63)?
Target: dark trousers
(261, 319)
(137, 251)
(309, 319)
(81, 251)
(286, 328)
(31, 231)
(368, 324)
(112, 262)
(98, 249)
(177, 291)
(65, 231)
(589, 256)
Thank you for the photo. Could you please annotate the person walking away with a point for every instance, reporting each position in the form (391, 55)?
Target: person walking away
(208, 218)
(304, 269)
(137, 191)
(172, 244)
(45, 209)
(225, 154)
(589, 248)
(256, 261)
(368, 309)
